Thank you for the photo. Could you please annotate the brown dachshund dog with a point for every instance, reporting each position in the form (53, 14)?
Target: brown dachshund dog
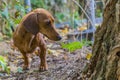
(28, 35)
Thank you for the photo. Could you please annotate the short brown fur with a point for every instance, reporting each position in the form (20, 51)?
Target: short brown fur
(29, 35)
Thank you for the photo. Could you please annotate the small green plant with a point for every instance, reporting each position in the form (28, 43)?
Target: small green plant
(72, 46)
(86, 43)
(19, 70)
(98, 13)
(75, 45)
(3, 65)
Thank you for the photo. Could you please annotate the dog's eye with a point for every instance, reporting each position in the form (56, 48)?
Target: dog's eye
(48, 22)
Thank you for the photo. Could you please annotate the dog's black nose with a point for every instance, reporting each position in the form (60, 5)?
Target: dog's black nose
(59, 37)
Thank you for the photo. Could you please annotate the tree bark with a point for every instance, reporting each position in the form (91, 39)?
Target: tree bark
(105, 62)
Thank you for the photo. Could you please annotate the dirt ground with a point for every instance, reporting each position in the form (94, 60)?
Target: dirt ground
(62, 64)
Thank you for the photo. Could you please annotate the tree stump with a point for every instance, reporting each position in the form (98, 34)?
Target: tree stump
(105, 62)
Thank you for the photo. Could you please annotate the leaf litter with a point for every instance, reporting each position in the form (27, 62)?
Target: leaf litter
(63, 65)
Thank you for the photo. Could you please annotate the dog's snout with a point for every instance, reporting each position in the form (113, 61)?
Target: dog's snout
(59, 37)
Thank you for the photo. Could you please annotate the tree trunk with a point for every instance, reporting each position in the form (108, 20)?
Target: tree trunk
(105, 62)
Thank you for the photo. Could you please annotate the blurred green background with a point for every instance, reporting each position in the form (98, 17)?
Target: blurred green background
(11, 12)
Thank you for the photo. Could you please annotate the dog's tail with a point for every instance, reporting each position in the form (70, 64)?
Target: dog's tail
(12, 28)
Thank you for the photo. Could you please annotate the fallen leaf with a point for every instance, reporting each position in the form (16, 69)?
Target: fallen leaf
(36, 52)
(88, 56)
(15, 61)
(65, 31)
(54, 52)
(20, 57)
(82, 28)
(49, 45)
(65, 57)
(51, 51)
(13, 68)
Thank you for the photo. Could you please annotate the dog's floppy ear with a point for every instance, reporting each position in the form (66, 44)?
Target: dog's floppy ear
(31, 23)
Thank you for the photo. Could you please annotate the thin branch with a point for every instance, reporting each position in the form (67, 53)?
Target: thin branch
(103, 3)
(84, 12)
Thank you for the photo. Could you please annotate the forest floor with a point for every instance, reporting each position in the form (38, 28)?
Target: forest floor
(63, 65)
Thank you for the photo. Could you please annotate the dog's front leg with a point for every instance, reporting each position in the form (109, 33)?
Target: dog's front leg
(26, 61)
(42, 55)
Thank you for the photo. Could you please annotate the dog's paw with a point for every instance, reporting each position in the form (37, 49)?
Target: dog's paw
(43, 68)
(26, 67)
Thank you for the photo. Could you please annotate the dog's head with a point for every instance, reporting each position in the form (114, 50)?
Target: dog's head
(40, 20)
